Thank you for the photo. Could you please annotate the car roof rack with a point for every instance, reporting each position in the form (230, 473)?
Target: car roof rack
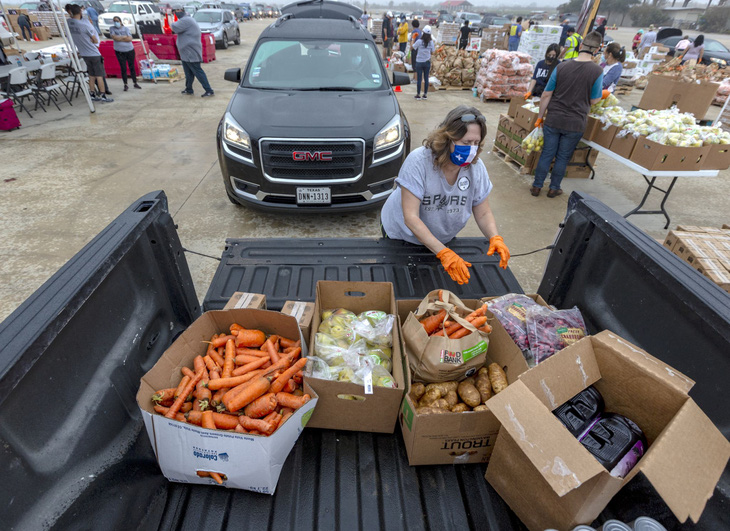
(331, 9)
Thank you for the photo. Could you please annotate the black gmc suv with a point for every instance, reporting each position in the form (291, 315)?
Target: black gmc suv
(314, 124)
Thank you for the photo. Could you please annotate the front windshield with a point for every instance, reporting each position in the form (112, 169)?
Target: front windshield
(210, 17)
(315, 65)
(714, 46)
(447, 18)
(473, 18)
(122, 8)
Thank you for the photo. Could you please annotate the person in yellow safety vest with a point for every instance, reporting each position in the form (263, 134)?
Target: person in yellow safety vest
(515, 32)
(403, 35)
(572, 44)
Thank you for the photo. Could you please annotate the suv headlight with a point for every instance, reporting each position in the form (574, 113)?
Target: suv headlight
(390, 135)
(235, 135)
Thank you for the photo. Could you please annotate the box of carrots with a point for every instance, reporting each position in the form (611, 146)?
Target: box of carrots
(226, 402)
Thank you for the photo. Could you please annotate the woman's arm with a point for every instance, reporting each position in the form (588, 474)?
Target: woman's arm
(612, 76)
(411, 206)
(532, 85)
(485, 219)
(702, 52)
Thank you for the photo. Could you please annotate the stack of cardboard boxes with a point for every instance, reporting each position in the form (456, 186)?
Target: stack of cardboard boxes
(663, 92)
(707, 249)
(42, 32)
(494, 38)
(535, 42)
(516, 125)
(448, 33)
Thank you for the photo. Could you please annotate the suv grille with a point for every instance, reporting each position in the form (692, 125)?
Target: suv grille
(278, 160)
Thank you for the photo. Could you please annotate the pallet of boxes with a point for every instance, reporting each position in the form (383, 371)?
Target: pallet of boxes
(39, 30)
(494, 38)
(520, 385)
(511, 146)
(448, 33)
(503, 75)
(664, 139)
(377, 29)
(707, 249)
(535, 42)
(454, 68)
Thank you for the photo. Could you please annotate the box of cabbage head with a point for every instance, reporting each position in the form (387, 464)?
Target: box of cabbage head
(244, 461)
(344, 405)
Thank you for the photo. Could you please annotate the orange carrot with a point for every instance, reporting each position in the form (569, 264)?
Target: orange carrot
(298, 377)
(183, 395)
(288, 343)
(295, 353)
(251, 392)
(239, 428)
(217, 358)
(250, 338)
(261, 407)
(211, 364)
(231, 382)
(283, 363)
(163, 410)
(229, 359)
(218, 396)
(243, 369)
(456, 326)
(243, 359)
(441, 295)
(214, 475)
(235, 328)
(290, 386)
(207, 421)
(181, 386)
(251, 352)
(271, 417)
(164, 394)
(292, 401)
(478, 322)
(430, 324)
(285, 410)
(221, 341)
(281, 381)
(284, 418)
(187, 406)
(222, 421)
(486, 328)
(269, 347)
(256, 424)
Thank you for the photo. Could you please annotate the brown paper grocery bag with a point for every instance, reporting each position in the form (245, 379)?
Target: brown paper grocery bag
(436, 358)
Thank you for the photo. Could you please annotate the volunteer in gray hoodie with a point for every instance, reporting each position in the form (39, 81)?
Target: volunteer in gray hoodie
(191, 52)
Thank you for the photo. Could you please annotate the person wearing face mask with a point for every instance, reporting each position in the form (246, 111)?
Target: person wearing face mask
(614, 56)
(543, 70)
(440, 186)
(124, 49)
(402, 35)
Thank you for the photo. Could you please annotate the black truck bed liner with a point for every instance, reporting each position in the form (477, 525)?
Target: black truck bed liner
(82, 458)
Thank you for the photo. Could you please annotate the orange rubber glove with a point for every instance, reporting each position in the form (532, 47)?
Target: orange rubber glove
(455, 265)
(496, 244)
(538, 123)
(605, 94)
(527, 95)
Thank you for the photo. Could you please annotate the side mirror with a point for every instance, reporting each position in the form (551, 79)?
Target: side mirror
(401, 78)
(233, 74)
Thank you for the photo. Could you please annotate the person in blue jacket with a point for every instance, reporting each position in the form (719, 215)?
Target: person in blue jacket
(515, 32)
(614, 56)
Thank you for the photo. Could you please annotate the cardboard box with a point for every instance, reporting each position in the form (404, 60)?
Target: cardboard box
(603, 136)
(39, 30)
(505, 121)
(249, 462)
(719, 277)
(344, 405)
(240, 299)
(519, 132)
(577, 172)
(718, 157)
(464, 437)
(654, 156)
(592, 124)
(525, 118)
(514, 104)
(302, 312)
(551, 481)
(623, 146)
(673, 237)
(662, 92)
(502, 141)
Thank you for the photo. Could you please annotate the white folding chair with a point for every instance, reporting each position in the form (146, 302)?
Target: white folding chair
(13, 59)
(31, 56)
(48, 84)
(74, 80)
(19, 89)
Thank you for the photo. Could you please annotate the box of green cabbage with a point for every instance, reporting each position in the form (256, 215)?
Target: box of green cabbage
(356, 364)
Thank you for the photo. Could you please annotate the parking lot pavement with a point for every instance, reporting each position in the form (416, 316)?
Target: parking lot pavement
(66, 174)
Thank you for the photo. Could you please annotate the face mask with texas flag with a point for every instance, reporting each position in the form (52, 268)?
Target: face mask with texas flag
(463, 155)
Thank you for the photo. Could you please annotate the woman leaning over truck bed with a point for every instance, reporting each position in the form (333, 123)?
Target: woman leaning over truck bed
(440, 185)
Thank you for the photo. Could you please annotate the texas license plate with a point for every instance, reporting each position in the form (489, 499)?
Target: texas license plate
(313, 196)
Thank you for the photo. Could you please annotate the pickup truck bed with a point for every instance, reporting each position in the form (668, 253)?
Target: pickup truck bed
(74, 451)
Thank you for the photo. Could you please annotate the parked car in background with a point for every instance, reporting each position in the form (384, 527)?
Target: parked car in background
(96, 4)
(269, 11)
(430, 17)
(246, 9)
(444, 17)
(492, 20)
(417, 15)
(473, 18)
(235, 9)
(260, 10)
(715, 51)
(144, 13)
(221, 24)
(571, 17)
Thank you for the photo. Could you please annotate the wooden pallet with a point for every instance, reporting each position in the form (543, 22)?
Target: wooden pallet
(449, 87)
(495, 100)
(168, 79)
(512, 163)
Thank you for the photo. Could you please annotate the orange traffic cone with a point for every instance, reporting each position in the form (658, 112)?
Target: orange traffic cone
(398, 89)
(166, 27)
(35, 37)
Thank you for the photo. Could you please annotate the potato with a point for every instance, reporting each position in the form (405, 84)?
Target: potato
(430, 410)
(429, 397)
(417, 391)
(471, 380)
(498, 378)
(451, 398)
(461, 407)
(450, 386)
(441, 403)
(481, 407)
(469, 394)
(483, 373)
(484, 387)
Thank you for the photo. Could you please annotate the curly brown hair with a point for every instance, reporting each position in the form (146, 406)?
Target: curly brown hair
(452, 129)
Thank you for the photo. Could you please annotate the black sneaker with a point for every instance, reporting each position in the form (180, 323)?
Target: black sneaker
(94, 97)
(104, 99)
(424, 97)
(417, 97)
(108, 93)
(126, 88)
(190, 92)
(208, 94)
(136, 86)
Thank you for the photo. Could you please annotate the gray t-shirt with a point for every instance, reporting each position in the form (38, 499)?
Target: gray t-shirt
(121, 32)
(444, 209)
(189, 43)
(81, 33)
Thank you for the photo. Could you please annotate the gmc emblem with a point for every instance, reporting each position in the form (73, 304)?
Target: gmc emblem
(312, 155)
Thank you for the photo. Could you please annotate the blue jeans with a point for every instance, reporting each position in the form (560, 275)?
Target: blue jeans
(193, 70)
(559, 144)
(422, 71)
(513, 43)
